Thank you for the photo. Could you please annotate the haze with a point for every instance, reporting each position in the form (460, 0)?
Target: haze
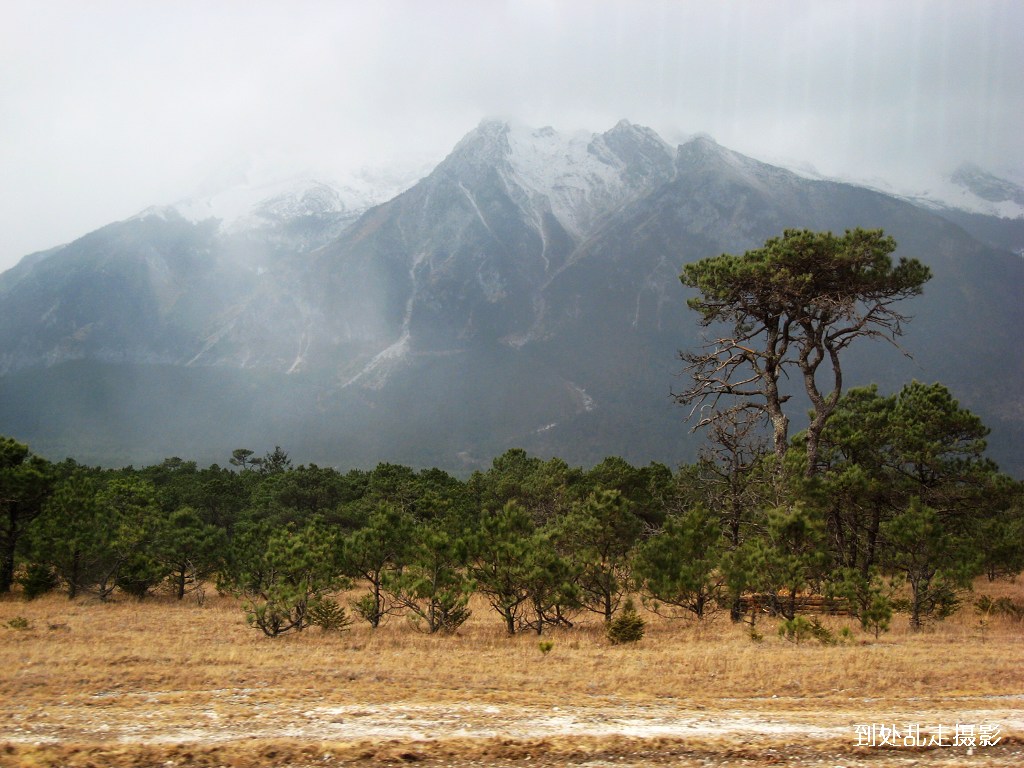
(109, 107)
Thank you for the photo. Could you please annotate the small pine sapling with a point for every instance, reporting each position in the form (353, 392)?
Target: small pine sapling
(795, 630)
(877, 614)
(329, 615)
(627, 627)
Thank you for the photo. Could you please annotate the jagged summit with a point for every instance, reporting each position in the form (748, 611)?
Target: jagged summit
(576, 177)
(483, 147)
(703, 155)
(638, 145)
(702, 139)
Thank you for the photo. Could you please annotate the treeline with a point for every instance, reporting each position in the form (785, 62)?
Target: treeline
(902, 512)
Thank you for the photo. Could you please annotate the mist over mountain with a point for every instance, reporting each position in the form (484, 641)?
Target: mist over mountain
(523, 293)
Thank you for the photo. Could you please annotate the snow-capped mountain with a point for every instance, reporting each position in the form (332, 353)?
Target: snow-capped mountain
(463, 257)
(246, 205)
(968, 189)
(1006, 197)
(972, 190)
(523, 292)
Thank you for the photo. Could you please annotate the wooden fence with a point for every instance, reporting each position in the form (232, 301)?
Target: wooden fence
(776, 605)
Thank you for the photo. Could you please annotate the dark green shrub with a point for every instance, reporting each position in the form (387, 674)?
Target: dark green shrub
(1007, 607)
(627, 627)
(799, 628)
(139, 574)
(37, 580)
(1003, 606)
(451, 613)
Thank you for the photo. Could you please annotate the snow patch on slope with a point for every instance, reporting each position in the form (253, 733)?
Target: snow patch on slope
(584, 399)
(375, 373)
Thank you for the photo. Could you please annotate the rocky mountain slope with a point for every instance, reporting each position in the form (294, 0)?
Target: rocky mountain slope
(525, 292)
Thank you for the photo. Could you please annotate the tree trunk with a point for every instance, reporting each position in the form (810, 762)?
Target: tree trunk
(780, 423)
(813, 434)
(74, 576)
(375, 619)
(918, 588)
(876, 522)
(10, 541)
(736, 609)
(6, 570)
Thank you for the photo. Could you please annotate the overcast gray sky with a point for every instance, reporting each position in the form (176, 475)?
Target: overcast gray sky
(109, 106)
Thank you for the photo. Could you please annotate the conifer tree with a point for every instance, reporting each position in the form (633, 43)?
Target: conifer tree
(797, 303)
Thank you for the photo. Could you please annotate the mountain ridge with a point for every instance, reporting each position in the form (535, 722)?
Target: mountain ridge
(524, 292)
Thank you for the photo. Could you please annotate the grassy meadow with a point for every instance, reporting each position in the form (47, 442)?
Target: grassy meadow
(158, 682)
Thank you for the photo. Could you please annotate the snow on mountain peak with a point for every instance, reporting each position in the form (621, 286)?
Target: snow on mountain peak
(968, 188)
(987, 186)
(245, 205)
(314, 199)
(580, 175)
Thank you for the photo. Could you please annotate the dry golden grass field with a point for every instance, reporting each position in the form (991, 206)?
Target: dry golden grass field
(158, 683)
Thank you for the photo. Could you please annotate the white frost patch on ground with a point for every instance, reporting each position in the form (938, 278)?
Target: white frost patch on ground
(419, 722)
(225, 716)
